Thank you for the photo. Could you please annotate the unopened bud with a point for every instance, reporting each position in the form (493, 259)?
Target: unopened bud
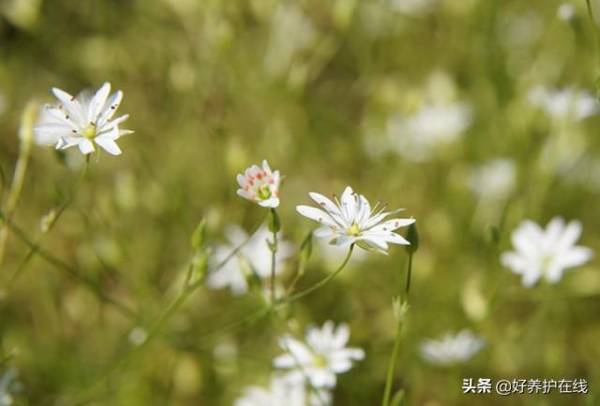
(413, 238)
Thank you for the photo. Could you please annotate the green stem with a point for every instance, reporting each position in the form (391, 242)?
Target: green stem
(34, 249)
(392, 367)
(392, 362)
(323, 281)
(26, 137)
(594, 27)
(273, 248)
(408, 276)
(67, 269)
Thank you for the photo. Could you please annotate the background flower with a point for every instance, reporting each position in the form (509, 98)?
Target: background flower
(545, 253)
(253, 259)
(321, 357)
(451, 349)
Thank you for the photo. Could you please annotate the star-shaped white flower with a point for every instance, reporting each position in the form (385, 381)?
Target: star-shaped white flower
(452, 349)
(353, 221)
(253, 258)
(545, 253)
(283, 391)
(260, 185)
(83, 121)
(321, 358)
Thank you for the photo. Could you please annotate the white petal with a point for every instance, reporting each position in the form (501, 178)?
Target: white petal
(97, 102)
(86, 146)
(108, 145)
(71, 105)
(576, 256)
(392, 224)
(316, 215)
(323, 232)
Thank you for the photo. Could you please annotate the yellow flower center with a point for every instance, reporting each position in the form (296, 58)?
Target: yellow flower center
(264, 192)
(354, 230)
(90, 131)
(320, 361)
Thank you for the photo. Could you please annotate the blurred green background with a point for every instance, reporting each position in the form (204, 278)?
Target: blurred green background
(323, 90)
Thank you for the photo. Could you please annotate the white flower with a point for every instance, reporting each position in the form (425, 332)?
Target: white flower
(545, 253)
(415, 137)
(81, 120)
(495, 179)
(254, 257)
(566, 11)
(353, 221)
(568, 103)
(260, 185)
(319, 359)
(281, 392)
(452, 349)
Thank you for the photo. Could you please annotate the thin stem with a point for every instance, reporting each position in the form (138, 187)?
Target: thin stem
(594, 27)
(392, 362)
(26, 137)
(67, 269)
(33, 250)
(408, 277)
(323, 281)
(176, 304)
(392, 367)
(273, 265)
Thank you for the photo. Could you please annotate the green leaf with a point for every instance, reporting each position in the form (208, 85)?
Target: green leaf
(198, 236)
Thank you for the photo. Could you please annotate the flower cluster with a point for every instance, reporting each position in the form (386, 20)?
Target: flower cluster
(310, 368)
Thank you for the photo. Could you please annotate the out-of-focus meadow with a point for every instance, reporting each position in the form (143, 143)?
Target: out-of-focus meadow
(474, 115)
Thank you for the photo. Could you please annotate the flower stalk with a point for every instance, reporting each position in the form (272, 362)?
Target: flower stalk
(400, 311)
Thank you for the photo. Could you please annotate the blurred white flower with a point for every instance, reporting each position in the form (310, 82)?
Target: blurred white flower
(321, 358)
(566, 11)
(8, 384)
(281, 392)
(415, 137)
(253, 258)
(138, 336)
(260, 185)
(413, 7)
(81, 120)
(291, 33)
(545, 253)
(564, 104)
(353, 221)
(494, 180)
(452, 349)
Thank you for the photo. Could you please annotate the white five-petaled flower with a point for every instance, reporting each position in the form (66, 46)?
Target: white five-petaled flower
(253, 258)
(353, 221)
(545, 253)
(452, 349)
(319, 359)
(260, 185)
(282, 391)
(82, 121)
